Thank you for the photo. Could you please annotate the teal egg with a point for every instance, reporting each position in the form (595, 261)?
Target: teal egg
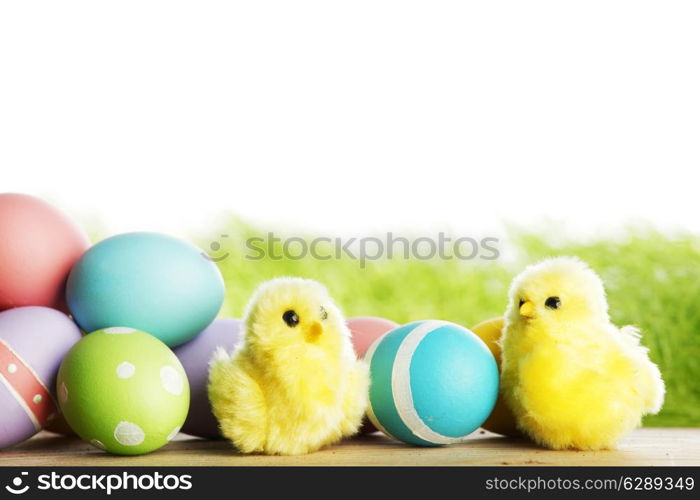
(147, 281)
(432, 383)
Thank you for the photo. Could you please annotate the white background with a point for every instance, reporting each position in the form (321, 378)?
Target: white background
(354, 116)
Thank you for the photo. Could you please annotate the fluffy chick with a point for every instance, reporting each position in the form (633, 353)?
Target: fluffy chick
(572, 378)
(295, 384)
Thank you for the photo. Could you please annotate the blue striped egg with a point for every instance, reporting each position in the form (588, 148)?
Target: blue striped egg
(433, 383)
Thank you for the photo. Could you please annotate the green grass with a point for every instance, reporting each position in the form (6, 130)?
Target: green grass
(652, 279)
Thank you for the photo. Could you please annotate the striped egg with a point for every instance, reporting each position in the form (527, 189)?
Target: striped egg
(433, 383)
(33, 342)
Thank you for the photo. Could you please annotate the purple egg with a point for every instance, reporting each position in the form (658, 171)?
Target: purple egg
(33, 342)
(195, 356)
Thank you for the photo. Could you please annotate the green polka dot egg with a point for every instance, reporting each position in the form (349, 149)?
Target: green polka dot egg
(123, 391)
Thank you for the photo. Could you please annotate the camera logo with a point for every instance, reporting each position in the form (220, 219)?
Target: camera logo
(215, 246)
(16, 488)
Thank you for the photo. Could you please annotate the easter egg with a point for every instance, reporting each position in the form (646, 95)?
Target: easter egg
(38, 247)
(123, 391)
(365, 330)
(501, 420)
(33, 342)
(195, 356)
(432, 383)
(147, 281)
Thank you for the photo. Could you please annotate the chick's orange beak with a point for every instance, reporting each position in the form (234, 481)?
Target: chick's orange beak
(314, 332)
(527, 309)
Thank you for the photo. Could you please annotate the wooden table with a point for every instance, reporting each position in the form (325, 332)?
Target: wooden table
(642, 447)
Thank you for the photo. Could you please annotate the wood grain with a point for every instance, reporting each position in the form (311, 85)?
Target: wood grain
(642, 447)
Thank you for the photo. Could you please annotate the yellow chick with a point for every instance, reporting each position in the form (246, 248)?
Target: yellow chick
(572, 378)
(295, 384)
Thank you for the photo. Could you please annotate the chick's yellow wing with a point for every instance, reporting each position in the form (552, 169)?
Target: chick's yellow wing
(649, 382)
(238, 404)
(356, 399)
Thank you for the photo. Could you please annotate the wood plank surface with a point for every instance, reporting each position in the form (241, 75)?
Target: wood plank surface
(642, 447)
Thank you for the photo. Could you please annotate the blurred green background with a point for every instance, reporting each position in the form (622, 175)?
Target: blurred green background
(652, 280)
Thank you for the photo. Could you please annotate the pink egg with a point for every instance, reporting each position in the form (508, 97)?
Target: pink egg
(38, 247)
(365, 330)
(33, 342)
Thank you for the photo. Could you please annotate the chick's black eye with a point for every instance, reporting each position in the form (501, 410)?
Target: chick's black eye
(291, 318)
(520, 304)
(324, 313)
(553, 303)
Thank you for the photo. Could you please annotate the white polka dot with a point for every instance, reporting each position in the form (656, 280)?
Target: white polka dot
(119, 330)
(125, 370)
(129, 434)
(172, 435)
(63, 393)
(11, 368)
(37, 399)
(97, 444)
(171, 380)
